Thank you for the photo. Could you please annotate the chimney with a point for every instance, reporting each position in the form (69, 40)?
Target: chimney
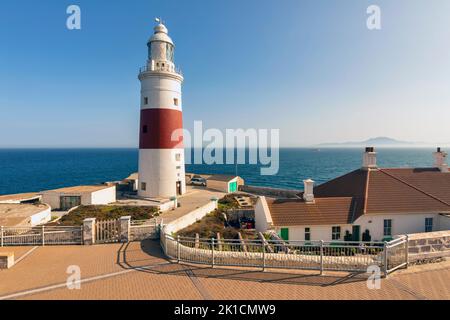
(308, 192)
(439, 160)
(369, 159)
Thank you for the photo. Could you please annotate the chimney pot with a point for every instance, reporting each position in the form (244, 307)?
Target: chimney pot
(439, 160)
(308, 192)
(369, 159)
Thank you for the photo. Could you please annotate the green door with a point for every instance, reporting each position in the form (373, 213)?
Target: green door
(284, 234)
(233, 186)
(356, 231)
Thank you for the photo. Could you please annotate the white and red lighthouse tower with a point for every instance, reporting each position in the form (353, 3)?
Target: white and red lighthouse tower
(161, 152)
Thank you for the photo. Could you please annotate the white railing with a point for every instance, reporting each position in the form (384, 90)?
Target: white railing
(307, 255)
(166, 68)
(43, 235)
(144, 229)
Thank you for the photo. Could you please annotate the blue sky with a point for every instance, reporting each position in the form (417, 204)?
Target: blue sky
(309, 68)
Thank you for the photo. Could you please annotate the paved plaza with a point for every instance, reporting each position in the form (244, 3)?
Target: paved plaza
(138, 270)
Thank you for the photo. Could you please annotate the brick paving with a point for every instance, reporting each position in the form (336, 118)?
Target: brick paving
(140, 271)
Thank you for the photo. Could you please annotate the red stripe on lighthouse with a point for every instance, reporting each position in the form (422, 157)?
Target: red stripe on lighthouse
(157, 127)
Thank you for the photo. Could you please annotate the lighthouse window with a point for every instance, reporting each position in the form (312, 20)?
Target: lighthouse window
(145, 100)
(177, 157)
(144, 129)
(175, 101)
(143, 186)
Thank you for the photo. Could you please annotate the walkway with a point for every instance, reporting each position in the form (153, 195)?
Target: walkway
(140, 271)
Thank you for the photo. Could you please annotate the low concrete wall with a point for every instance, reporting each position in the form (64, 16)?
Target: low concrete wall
(269, 192)
(190, 218)
(429, 245)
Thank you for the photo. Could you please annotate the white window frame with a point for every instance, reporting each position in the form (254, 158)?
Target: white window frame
(336, 234)
(385, 234)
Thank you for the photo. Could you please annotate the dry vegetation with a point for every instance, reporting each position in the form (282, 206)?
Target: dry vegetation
(77, 216)
(210, 225)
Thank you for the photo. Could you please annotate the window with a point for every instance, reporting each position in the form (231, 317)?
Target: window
(178, 167)
(143, 186)
(145, 100)
(144, 129)
(387, 230)
(307, 234)
(335, 233)
(177, 157)
(428, 224)
(175, 102)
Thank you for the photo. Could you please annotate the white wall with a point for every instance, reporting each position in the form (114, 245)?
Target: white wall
(158, 169)
(401, 224)
(443, 223)
(41, 217)
(263, 219)
(160, 92)
(190, 218)
(317, 232)
(104, 196)
(52, 199)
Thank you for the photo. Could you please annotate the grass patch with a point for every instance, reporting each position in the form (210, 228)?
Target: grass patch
(76, 217)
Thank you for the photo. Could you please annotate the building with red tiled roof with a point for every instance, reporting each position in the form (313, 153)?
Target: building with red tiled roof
(370, 203)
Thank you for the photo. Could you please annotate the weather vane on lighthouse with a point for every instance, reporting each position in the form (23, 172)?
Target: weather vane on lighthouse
(159, 20)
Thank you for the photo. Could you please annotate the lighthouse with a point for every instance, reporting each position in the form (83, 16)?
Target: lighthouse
(161, 152)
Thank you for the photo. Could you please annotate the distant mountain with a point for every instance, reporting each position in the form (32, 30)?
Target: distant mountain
(372, 142)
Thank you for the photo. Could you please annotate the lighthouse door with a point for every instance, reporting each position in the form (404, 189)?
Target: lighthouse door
(178, 188)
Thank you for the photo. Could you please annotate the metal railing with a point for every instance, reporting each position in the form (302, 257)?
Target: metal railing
(306, 255)
(144, 229)
(42, 235)
(165, 68)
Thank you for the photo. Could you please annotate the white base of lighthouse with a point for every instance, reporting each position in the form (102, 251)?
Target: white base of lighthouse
(161, 173)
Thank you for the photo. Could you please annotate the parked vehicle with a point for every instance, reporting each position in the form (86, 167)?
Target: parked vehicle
(198, 182)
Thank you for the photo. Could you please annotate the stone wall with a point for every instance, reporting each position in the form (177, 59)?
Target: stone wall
(269, 192)
(429, 245)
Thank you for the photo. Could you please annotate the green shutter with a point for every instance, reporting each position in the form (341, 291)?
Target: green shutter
(284, 234)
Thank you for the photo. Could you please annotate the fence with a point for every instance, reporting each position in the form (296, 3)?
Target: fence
(107, 231)
(23, 236)
(144, 229)
(306, 255)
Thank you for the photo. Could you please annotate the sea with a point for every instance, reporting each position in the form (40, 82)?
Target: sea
(33, 170)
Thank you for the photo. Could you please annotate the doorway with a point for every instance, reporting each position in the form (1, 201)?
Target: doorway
(356, 231)
(178, 188)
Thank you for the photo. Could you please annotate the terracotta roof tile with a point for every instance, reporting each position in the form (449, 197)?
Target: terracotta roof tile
(384, 191)
(324, 211)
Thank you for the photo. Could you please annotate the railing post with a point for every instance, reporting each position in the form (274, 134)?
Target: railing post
(43, 235)
(1, 235)
(321, 257)
(385, 258)
(178, 249)
(212, 252)
(264, 254)
(407, 251)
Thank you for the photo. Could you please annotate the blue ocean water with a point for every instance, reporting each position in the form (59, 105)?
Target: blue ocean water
(28, 170)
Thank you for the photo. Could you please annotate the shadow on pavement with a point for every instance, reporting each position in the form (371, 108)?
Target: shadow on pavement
(148, 253)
